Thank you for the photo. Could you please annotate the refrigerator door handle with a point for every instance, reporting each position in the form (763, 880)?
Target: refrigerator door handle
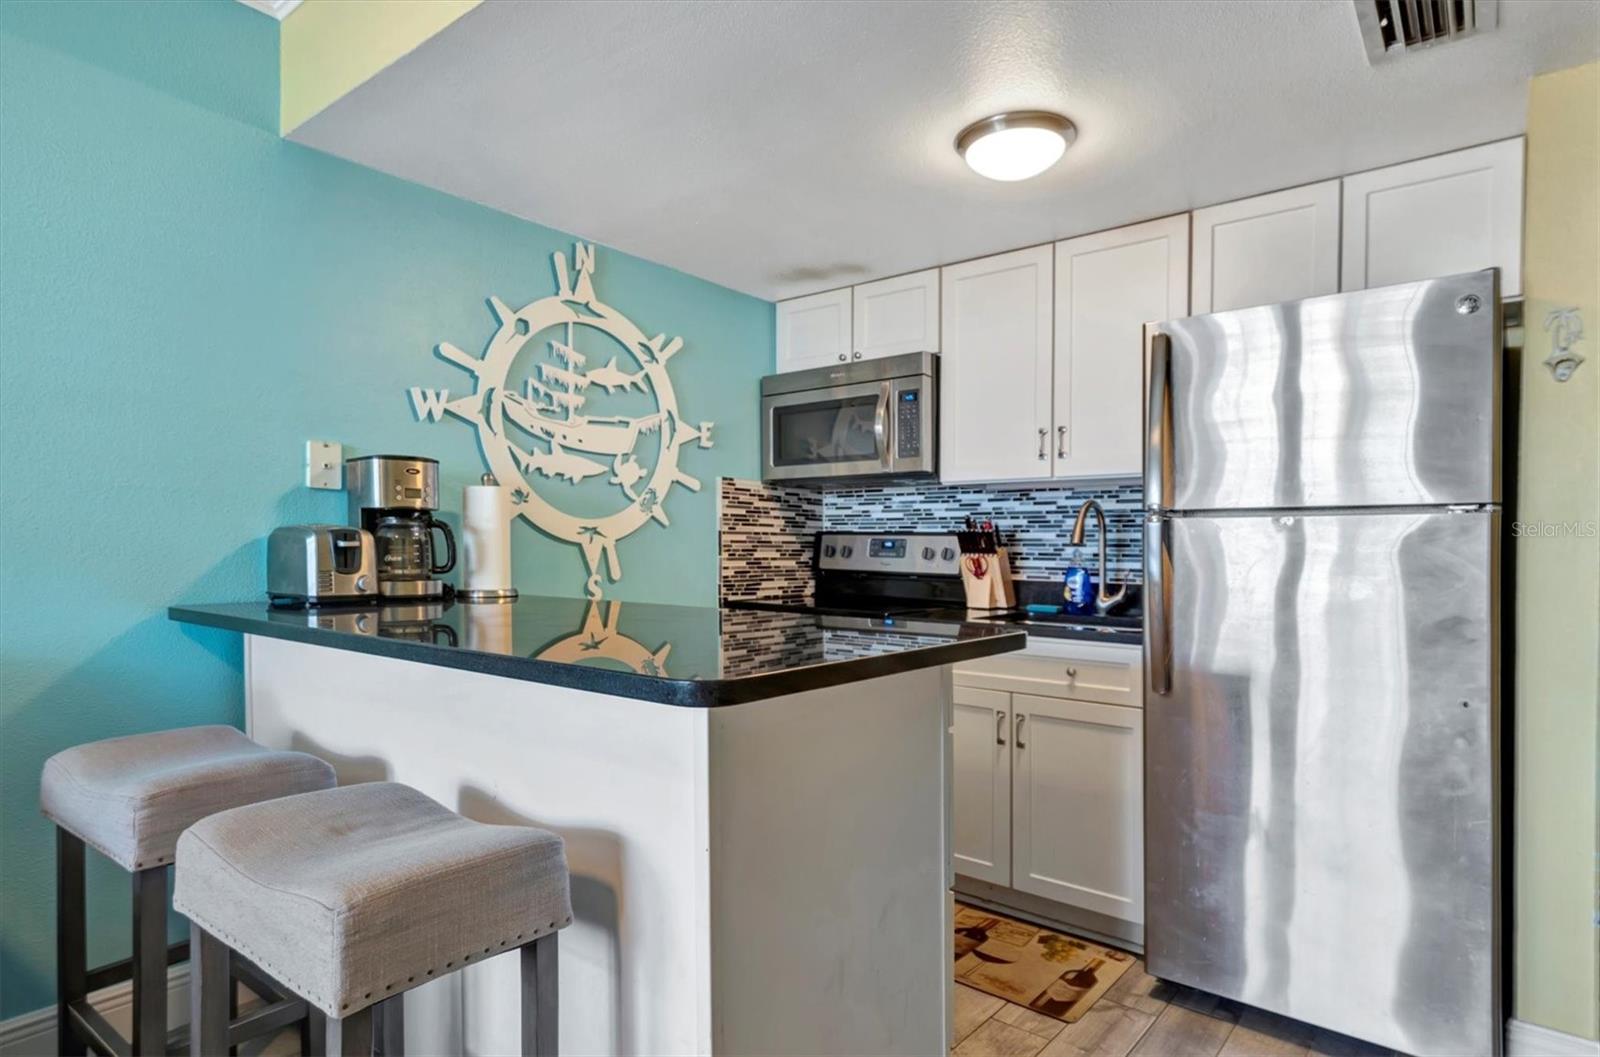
(1158, 604)
(1157, 419)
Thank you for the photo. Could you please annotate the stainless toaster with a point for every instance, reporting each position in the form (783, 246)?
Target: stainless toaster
(316, 564)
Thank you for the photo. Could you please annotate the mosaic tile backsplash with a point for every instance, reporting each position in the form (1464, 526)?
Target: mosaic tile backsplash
(767, 530)
(766, 533)
(1035, 523)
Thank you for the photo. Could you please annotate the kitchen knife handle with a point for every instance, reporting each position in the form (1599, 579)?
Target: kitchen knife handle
(1158, 604)
(1157, 419)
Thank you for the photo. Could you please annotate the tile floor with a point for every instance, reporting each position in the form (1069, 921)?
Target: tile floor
(1138, 1016)
(1144, 1017)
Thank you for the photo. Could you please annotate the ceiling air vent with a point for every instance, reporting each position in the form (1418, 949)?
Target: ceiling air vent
(1391, 28)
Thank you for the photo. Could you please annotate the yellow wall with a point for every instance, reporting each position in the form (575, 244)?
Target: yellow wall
(1558, 576)
(328, 47)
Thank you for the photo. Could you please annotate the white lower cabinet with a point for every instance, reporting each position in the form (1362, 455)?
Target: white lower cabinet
(1048, 794)
(1078, 804)
(981, 837)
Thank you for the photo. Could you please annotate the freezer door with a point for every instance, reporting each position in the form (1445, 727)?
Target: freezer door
(1383, 397)
(1320, 772)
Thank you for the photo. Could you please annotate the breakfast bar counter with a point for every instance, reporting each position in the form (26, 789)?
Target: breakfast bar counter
(755, 804)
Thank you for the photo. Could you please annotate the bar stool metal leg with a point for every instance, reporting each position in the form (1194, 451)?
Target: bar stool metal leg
(149, 962)
(313, 1033)
(209, 980)
(72, 968)
(389, 1027)
(539, 997)
(351, 1036)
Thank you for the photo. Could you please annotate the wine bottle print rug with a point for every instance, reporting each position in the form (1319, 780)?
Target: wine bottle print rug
(1059, 976)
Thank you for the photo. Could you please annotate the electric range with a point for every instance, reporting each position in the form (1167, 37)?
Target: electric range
(882, 576)
(899, 580)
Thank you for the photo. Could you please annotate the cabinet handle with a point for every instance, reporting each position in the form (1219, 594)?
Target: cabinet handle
(1061, 442)
(857, 356)
(1021, 717)
(1043, 433)
(1072, 673)
(999, 728)
(842, 357)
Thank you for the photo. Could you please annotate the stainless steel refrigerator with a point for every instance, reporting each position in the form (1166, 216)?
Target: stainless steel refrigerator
(1322, 533)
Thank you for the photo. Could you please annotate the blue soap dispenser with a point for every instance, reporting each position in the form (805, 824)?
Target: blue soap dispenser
(1077, 586)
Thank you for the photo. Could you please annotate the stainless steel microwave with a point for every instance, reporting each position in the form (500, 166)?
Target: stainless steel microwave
(869, 419)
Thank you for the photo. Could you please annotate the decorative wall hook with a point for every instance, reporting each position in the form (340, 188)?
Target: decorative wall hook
(1565, 326)
(549, 426)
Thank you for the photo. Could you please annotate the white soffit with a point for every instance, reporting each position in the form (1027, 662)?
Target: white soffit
(782, 148)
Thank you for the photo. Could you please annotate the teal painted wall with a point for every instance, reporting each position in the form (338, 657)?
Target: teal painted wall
(184, 300)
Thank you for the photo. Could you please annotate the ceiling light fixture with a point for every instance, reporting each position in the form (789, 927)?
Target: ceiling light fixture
(1016, 145)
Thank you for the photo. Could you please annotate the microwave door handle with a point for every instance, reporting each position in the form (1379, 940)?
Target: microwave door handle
(880, 426)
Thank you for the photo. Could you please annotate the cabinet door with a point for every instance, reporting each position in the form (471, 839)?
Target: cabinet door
(981, 780)
(1456, 212)
(1259, 251)
(1078, 804)
(814, 331)
(1108, 285)
(897, 315)
(994, 381)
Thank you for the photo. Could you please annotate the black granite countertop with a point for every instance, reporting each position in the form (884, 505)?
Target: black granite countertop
(1127, 630)
(677, 655)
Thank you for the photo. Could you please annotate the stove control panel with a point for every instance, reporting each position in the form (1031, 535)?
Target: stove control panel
(904, 553)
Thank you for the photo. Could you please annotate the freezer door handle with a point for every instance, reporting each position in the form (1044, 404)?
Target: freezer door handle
(1158, 604)
(1157, 419)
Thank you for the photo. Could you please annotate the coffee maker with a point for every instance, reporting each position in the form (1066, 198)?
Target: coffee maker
(394, 497)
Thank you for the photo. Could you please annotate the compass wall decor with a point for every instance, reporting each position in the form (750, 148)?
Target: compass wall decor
(542, 431)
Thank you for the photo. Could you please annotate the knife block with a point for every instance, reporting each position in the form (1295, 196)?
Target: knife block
(987, 580)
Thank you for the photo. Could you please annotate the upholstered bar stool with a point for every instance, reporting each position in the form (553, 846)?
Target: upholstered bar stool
(352, 896)
(129, 798)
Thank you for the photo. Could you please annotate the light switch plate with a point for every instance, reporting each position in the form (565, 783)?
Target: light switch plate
(324, 464)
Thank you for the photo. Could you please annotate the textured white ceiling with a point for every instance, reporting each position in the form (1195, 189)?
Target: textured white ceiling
(784, 148)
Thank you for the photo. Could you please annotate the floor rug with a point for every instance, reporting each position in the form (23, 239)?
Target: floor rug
(1059, 976)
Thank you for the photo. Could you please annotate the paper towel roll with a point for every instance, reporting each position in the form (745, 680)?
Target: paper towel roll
(486, 538)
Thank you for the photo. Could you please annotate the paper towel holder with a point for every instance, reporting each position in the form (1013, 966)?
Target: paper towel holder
(499, 594)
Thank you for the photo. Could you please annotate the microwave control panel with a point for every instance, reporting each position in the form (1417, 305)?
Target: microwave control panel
(908, 423)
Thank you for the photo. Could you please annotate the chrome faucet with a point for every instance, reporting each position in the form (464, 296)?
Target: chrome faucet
(1102, 600)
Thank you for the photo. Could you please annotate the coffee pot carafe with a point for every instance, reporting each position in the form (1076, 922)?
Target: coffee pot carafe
(405, 546)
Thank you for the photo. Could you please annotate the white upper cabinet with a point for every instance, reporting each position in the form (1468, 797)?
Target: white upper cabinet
(994, 389)
(897, 315)
(1108, 285)
(1259, 251)
(1456, 212)
(814, 331)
